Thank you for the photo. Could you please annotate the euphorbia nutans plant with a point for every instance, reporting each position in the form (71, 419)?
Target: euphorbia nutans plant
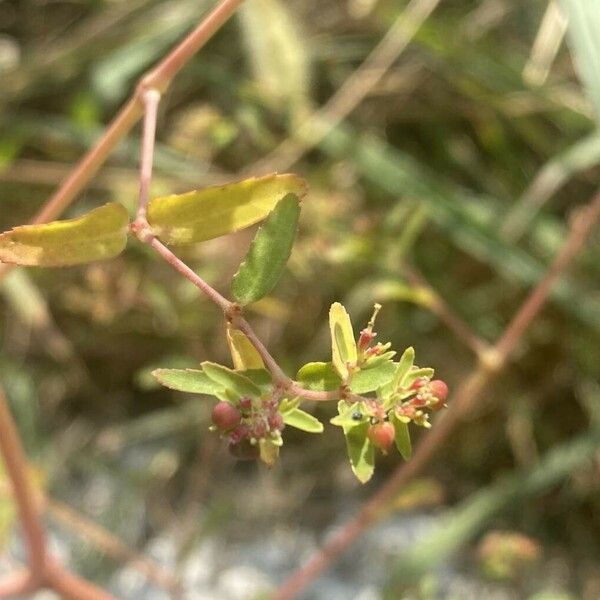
(377, 396)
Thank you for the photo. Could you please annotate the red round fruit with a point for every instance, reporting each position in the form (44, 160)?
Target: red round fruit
(382, 435)
(245, 450)
(439, 389)
(226, 416)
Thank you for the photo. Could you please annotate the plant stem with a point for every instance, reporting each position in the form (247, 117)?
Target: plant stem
(151, 98)
(24, 493)
(225, 305)
(489, 365)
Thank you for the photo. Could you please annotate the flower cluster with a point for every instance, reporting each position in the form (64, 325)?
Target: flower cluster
(249, 425)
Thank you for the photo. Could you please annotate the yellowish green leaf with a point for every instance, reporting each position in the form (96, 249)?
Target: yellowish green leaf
(302, 420)
(269, 451)
(243, 353)
(402, 437)
(214, 211)
(97, 235)
(233, 381)
(343, 345)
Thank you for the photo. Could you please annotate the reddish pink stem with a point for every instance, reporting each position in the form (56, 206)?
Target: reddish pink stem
(24, 493)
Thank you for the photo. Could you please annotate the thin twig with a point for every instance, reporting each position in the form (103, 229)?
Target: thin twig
(24, 493)
(438, 306)
(489, 365)
(151, 99)
(109, 543)
(222, 302)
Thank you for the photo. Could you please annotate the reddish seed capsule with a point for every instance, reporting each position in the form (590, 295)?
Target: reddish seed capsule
(226, 416)
(276, 422)
(244, 450)
(382, 435)
(439, 389)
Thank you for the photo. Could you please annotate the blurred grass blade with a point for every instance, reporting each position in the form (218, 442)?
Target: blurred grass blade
(582, 155)
(268, 253)
(468, 519)
(582, 32)
(277, 54)
(214, 211)
(99, 234)
(453, 210)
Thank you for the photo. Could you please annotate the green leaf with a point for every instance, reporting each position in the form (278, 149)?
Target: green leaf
(346, 415)
(269, 451)
(302, 420)
(368, 380)
(343, 345)
(361, 452)
(214, 211)
(402, 438)
(243, 353)
(288, 404)
(261, 378)
(191, 381)
(319, 376)
(231, 380)
(268, 253)
(404, 366)
(99, 234)
(415, 373)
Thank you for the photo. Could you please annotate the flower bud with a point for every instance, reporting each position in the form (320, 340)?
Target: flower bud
(226, 416)
(439, 389)
(276, 422)
(382, 435)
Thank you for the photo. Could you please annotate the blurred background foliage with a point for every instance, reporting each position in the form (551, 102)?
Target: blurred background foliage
(465, 160)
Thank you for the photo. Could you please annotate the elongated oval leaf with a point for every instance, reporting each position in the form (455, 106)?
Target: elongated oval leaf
(302, 420)
(361, 452)
(243, 353)
(368, 380)
(192, 381)
(268, 253)
(402, 437)
(343, 345)
(319, 376)
(404, 366)
(99, 234)
(231, 380)
(215, 211)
